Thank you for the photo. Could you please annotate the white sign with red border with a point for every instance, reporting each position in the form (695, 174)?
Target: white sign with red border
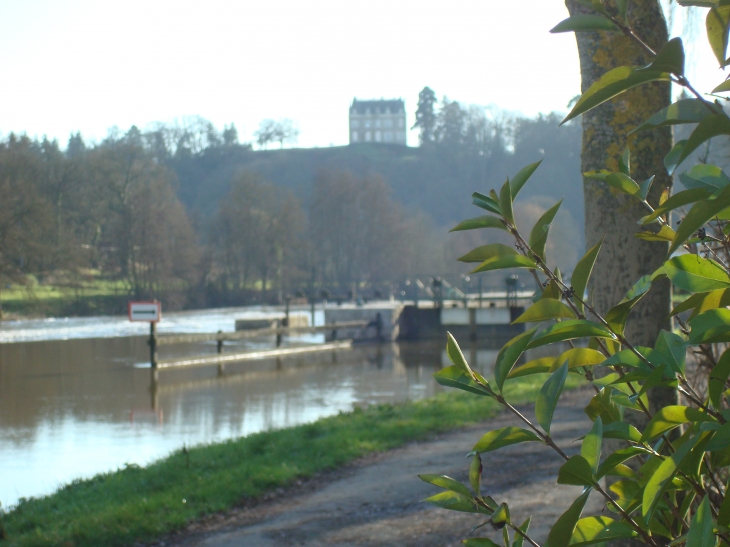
(150, 311)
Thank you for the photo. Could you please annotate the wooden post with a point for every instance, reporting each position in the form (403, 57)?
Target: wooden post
(312, 304)
(153, 351)
(278, 334)
(334, 331)
(221, 366)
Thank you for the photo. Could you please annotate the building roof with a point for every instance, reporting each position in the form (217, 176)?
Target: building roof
(381, 106)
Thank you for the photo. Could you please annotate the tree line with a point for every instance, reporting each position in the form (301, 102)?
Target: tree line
(187, 213)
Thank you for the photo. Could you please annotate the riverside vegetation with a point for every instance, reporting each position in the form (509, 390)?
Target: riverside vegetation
(666, 483)
(141, 504)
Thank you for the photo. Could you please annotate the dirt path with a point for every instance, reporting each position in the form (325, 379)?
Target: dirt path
(376, 502)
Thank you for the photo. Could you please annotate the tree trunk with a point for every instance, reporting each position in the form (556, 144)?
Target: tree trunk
(623, 258)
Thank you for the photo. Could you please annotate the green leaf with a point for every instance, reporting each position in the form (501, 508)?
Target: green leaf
(455, 356)
(680, 199)
(700, 213)
(701, 532)
(718, 376)
(664, 235)
(613, 83)
(544, 309)
(669, 417)
(562, 531)
(453, 501)
(717, 31)
(590, 449)
(602, 405)
(644, 187)
(539, 233)
(617, 316)
(662, 478)
(593, 530)
(672, 159)
(704, 175)
(672, 348)
(576, 471)
(704, 301)
(696, 274)
(723, 515)
(508, 356)
(548, 397)
(583, 23)
(618, 457)
(475, 473)
(570, 330)
(624, 162)
(582, 272)
(711, 126)
(523, 528)
(499, 438)
(501, 516)
(623, 183)
(480, 542)
(681, 112)
(621, 430)
(578, 357)
(485, 202)
(505, 203)
(670, 58)
(522, 176)
(710, 327)
(442, 481)
(486, 252)
(537, 366)
(454, 377)
(720, 439)
(486, 221)
(723, 87)
(504, 263)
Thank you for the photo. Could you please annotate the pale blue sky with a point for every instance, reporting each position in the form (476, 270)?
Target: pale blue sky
(88, 65)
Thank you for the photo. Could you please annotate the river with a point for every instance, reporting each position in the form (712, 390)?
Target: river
(76, 399)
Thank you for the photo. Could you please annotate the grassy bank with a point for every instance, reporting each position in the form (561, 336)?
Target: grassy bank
(139, 504)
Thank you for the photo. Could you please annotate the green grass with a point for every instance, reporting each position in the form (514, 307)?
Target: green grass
(139, 504)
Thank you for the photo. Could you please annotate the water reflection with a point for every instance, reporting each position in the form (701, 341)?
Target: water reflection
(73, 408)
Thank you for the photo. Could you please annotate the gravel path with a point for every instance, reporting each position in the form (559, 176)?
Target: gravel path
(377, 501)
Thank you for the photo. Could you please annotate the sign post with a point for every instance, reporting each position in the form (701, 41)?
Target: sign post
(150, 311)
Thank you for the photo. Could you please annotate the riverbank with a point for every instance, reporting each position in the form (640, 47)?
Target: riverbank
(136, 505)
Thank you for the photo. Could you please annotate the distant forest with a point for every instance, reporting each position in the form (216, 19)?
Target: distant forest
(187, 213)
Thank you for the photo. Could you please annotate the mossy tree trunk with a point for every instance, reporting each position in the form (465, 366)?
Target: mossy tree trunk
(610, 215)
(624, 258)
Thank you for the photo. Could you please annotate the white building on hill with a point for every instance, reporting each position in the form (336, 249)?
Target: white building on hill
(378, 121)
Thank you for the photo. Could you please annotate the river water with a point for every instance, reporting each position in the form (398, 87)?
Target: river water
(76, 398)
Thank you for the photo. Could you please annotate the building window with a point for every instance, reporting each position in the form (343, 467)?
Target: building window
(377, 123)
(388, 136)
(377, 136)
(368, 136)
(354, 136)
(388, 123)
(354, 123)
(401, 123)
(367, 123)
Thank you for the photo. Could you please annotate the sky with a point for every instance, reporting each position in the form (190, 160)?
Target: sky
(90, 65)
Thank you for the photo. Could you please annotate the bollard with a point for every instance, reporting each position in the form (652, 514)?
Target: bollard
(153, 351)
(221, 366)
